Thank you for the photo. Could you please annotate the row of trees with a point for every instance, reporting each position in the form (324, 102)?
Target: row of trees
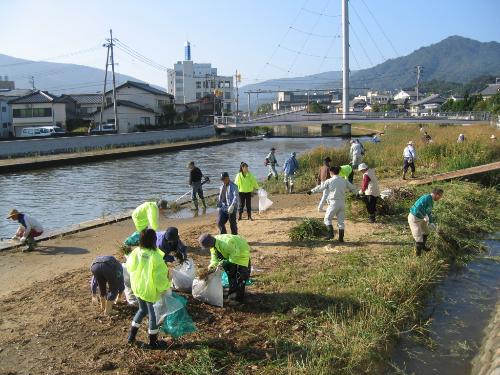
(473, 103)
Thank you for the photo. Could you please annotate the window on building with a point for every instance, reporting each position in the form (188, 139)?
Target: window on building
(145, 121)
(178, 81)
(32, 112)
(205, 84)
(178, 73)
(198, 95)
(5, 125)
(4, 109)
(227, 95)
(212, 84)
(198, 84)
(227, 84)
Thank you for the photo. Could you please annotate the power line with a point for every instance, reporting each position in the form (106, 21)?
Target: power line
(308, 54)
(322, 14)
(368, 32)
(361, 44)
(313, 34)
(381, 29)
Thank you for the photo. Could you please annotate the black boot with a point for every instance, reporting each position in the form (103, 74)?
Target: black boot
(424, 246)
(132, 334)
(154, 343)
(240, 214)
(269, 177)
(341, 235)
(419, 246)
(331, 234)
(371, 218)
(204, 204)
(287, 187)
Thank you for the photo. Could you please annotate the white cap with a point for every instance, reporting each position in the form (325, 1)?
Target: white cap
(362, 166)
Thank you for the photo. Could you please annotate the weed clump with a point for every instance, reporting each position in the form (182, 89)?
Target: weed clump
(308, 229)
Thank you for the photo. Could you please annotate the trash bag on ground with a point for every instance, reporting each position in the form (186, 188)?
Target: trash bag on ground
(133, 239)
(180, 322)
(225, 280)
(209, 290)
(264, 201)
(183, 275)
(166, 305)
(129, 295)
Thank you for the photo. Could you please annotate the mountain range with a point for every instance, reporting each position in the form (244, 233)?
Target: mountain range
(455, 59)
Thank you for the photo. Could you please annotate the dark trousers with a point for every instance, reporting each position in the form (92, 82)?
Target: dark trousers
(108, 278)
(246, 200)
(223, 218)
(371, 205)
(237, 276)
(408, 163)
(196, 189)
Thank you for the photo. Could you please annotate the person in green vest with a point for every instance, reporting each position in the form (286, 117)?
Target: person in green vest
(246, 183)
(148, 215)
(345, 171)
(232, 253)
(420, 219)
(149, 280)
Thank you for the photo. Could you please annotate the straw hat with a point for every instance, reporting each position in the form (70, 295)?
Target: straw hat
(362, 167)
(410, 143)
(12, 213)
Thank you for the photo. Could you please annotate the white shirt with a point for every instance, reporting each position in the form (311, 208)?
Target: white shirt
(409, 152)
(336, 187)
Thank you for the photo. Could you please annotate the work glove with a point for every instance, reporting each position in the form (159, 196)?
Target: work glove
(361, 193)
(23, 239)
(309, 192)
(230, 209)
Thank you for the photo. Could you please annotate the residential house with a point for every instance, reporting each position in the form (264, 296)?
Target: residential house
(378, 97)
(357, 105)
(406, 94)
(297, 100)
(137, 104)
(427, 106)
(6, 111)
(491, 89)
(41, 108)
(86, 105)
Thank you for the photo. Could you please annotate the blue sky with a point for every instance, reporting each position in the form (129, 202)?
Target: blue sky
(260, 38)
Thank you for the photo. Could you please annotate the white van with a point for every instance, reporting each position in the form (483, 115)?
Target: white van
(41, 131)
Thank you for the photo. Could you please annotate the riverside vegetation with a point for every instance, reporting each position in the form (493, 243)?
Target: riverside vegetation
(343, 313)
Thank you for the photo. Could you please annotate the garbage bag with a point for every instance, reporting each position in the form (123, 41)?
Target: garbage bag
(183, 275)
(179, 323)
(264, 201)
(209, 290)
(166, 305)
(133, 239)
(129, 295)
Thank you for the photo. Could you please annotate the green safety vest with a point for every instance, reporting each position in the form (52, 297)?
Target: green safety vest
(233, 248)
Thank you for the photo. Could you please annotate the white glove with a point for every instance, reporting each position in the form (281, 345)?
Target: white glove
(231, 209)
(360, 192)
(23, 239)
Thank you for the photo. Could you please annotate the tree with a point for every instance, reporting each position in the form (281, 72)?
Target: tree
(376, 107)
(168, 115)
(264, 108)
(315, 107)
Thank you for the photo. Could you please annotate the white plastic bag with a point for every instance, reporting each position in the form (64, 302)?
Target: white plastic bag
(166, 305)
(264, 201)
(129, 295)
(209, 290)
(183, 275)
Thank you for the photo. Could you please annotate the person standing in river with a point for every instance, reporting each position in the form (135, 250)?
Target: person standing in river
(272, 163)
(195, 177)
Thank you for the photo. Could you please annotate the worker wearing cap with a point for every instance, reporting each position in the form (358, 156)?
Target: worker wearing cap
(323, 175)
(29, 228)
(232, 252)
(227, 204)
(289, 169)
(369, 190)
(170, 243)
(420, 218)
(148, 215)
(272, 163)
(409, 156)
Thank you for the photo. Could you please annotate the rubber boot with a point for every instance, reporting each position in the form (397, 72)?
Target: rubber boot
(204, 204)
(286, 186)
(269, 177)
(291, 189)
(195, 203)
(418, 248)
(330, 234)
(240, 214)
(412, 175)
(341, 235)
(371, 218)
(276, 177)
(425, 248)
(132, 334)
(103, 303)
(108, 308)
(154, 343)
(249, 215)
(404, 175)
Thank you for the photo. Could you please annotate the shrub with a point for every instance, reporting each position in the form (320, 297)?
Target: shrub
(308, 229)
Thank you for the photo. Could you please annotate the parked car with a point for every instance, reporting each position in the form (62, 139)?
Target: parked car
(104, 129)
(42, 131)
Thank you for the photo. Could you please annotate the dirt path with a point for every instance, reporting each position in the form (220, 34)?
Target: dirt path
(48, 326)
(466, 172)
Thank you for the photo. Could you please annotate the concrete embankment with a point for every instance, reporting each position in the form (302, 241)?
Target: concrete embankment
(487, 362)
(44, 146)
(32, 163)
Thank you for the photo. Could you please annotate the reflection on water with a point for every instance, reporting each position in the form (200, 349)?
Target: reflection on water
(68, 195)
(460, 312)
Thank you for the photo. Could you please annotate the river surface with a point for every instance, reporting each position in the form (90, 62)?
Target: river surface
(62, 196)
(460, 310)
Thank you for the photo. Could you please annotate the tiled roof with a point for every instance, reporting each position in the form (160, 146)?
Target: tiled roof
(492, 89)
(142, 86)
(40, 97)
(87, 98)
(16, 93)
(127, 103)
(436, 98)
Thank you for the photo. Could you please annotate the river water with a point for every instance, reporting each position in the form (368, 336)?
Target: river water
(460, 311)
(62, 196)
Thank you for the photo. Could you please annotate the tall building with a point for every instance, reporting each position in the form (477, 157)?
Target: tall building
(190, 81)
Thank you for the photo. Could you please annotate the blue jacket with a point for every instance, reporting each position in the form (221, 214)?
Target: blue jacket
(423, 207)
(165, 246)
(291, 165)
(232, 197)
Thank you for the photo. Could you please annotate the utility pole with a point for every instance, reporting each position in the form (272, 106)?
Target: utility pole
(32, 80)
(420, 69)
(238, 80)
(109, 45)
(345, 72)
(248, 119)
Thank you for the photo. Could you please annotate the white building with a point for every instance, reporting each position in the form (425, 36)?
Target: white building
(41, 108)
(378, 97)
(190, 81)
(137, 104)
(87, 104)
(405, 94)
(6, 111)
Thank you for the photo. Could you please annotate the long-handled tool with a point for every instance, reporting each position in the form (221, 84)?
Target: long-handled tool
(206, 180)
